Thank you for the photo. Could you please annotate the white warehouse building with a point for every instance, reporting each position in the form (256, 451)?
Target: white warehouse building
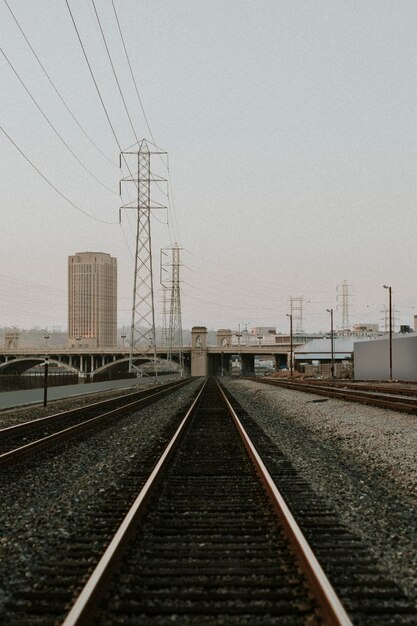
(371, 358)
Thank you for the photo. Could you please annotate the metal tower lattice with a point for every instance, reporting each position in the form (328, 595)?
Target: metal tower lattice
(165, 299)
(142, 335)
(296, 308)
(343, 294)
(174, 343)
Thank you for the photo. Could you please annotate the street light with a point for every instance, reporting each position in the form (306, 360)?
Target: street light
(331, 342)
(291, 346)
(390, 328)
(46, 337)
(123, 336)
(239, 335)
(45, 382)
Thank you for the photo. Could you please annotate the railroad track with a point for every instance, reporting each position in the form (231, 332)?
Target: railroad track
(398, 399)
(210, 549)
(202, 543)
(22, 440)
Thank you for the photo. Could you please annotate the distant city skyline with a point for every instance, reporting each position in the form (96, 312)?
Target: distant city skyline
(291, 131)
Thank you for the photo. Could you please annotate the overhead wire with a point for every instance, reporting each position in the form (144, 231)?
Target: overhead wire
(95, 84)
(58, 134)
(114, 70)
(170, 196)
(57, 91)
(97, 219)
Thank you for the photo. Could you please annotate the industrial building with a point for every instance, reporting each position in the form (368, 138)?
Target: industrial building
(92, 300)
(372, 358)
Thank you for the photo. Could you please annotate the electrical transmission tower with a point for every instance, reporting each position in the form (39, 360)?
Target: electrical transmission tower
(296, 308)
(385, 311)
(172, 283)
(165, 319)
(142, 335)
(343, 294)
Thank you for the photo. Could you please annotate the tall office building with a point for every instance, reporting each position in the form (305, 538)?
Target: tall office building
(92, 300)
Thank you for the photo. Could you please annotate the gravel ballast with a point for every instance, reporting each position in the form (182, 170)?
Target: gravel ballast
(46, 500)
(360, 458)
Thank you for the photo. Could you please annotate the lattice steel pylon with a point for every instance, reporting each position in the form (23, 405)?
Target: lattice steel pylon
(142, 335)
(296, 308)
(344, 295)
(172, 283)
(165, 299)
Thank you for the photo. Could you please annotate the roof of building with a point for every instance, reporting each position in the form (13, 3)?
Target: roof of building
(318, 348)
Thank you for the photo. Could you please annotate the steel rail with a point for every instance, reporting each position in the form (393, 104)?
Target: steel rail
(329, 603)
(83, 607)
(18, 453)
(383, 400)
(55, 417)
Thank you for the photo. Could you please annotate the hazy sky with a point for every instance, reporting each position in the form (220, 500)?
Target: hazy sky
(291, 128)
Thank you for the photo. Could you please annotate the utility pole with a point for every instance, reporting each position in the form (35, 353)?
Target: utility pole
(291, 344)
(331, 342)
(390, 328)
(142, 331)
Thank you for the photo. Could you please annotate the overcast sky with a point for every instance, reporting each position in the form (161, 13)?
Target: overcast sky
(291, 133)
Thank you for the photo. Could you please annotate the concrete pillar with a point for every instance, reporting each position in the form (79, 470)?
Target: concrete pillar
(248, 364)
(199, 365)
(224, 338)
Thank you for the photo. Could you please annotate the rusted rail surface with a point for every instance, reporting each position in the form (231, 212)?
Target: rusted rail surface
(52, 429)
(201, 529)
(387, 399)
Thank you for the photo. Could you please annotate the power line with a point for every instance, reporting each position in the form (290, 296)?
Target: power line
(170, 196)
(56, 89)
(53, 127)
(93, 77)
(114, 71)
(131, 73)
(97, 219)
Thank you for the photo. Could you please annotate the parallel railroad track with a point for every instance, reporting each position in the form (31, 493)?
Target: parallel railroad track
(218, 544)
(398, 399)
(22, 440)
(203, 544)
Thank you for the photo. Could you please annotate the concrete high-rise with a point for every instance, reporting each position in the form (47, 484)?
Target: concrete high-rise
(92, 300)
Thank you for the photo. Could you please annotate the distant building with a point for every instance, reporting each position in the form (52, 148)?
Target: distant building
(92, 300)
(365, 330)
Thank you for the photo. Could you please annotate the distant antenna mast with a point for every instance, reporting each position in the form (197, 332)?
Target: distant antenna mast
(142, 336)
(296, 307)
(343, 294)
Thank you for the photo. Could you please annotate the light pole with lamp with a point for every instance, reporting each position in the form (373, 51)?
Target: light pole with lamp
(331, 342)
(390, 328)
(46, 367)
(291, 343)
(239, 335)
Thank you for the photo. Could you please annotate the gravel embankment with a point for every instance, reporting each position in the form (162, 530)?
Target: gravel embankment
(44, 500)
(360, 458)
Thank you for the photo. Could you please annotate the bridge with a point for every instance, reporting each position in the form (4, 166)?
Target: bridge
(199, 358)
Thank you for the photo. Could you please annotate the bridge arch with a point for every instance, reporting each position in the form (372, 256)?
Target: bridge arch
(118, 368)
(22, 365)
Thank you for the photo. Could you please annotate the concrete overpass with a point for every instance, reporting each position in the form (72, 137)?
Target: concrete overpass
(200, 359)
